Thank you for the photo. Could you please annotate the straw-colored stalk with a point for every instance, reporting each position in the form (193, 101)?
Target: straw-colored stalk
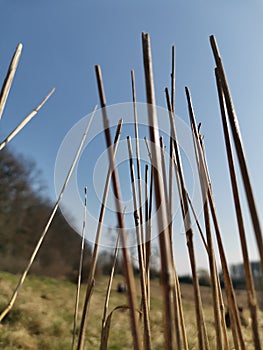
(138, 163)
(40, 241)
(202, 335)
(143, 275)
(167, 274)
(221, 301)
(94, 258)
(170, 212)
(251, 295)
(197, 223)
(239, 150)
(211, 254)
(9, 78)
(116, 189)
(148, 225)
(148, 214)
(171, 148)
(171, 145)
(177, 290)
(109, 286)
(25, 121)
(80, 270)
(146, 218)
(231, 299)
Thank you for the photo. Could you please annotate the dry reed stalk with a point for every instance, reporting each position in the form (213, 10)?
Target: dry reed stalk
(211, 254)
(167, 274)
(109, 286)
(106, 329)
(173, 79)
(178, 304)
(171, 144)
(143, 275)
(251, 295)
(138, 162)
(148, 215)
(230, 294)
(80, 269)
(147, 237)
(197, 223)
(165, 185)
(116, 189)
(231, 299)
(240, 150)
(222, 311)
(177, 292)
(25, 121)
(146, 211)
(171, 148)
(94, 258)
(202, 336)
(9, 78)
(221, 301)
(40, 241)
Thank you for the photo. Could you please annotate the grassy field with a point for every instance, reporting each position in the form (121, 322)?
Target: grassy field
(43, 315)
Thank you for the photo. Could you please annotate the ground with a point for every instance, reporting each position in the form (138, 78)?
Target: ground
(42, 317)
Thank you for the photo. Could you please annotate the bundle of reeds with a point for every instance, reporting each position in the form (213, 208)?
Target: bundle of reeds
(159, 193)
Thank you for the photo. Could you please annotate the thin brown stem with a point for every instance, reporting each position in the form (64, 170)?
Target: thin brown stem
(9, 78)
(167, 275)
(109, 287)
(80, 269)
(211, 255)
(143, 276)
(251, 295)
(202, 336)
(177, 291)
(116, 189)
(138, 162)
(94, 258)
(240, 150)
(51, 217)
(25, 121)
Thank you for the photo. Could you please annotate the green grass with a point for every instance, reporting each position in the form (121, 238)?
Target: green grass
(42, 317)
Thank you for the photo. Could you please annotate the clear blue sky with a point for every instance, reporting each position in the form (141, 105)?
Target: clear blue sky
(64, 39)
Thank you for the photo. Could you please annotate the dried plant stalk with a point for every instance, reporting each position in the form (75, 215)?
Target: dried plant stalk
(167, 274)
(25, 121)
(179, 305)
(148, 214)
(171, 149)
(197, 223)
(9, 78)
(143, 276)
(109, 287)
(211, 255)
(240, 150)
(106, 329)
(202, 336)
(94, 258)
(231, 299)
(138, 162)
(80, 270)
(251, 295)
(116, 189)
(40, 241)
(177, 292)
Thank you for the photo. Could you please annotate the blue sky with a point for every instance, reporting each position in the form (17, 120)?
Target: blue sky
(62, 40)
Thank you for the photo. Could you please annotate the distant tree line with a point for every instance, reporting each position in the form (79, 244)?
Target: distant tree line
(23, 213)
